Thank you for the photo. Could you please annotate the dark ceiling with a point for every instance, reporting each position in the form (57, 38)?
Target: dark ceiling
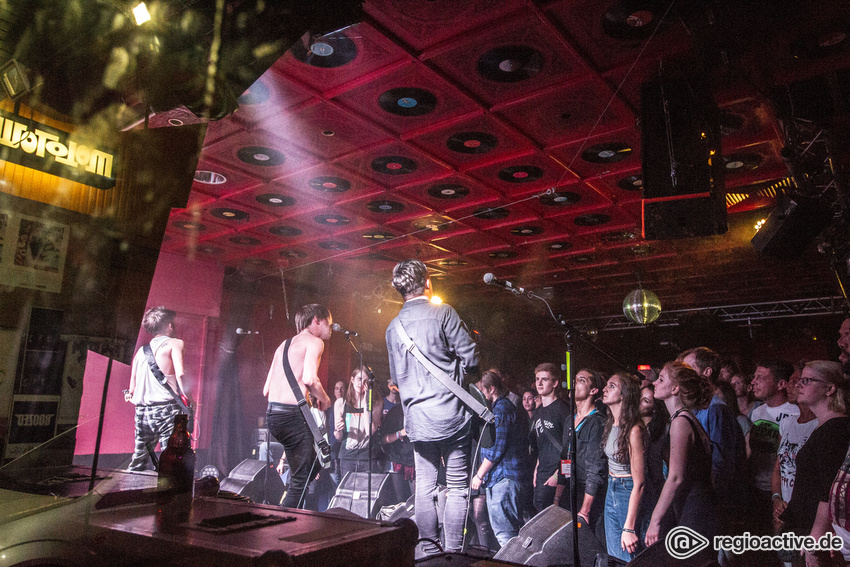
(504, 136)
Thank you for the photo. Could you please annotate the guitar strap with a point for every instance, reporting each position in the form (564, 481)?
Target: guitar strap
(299, 397)
(160, 377)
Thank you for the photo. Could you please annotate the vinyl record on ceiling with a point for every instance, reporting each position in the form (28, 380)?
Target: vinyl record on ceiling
(510, 63)
(631, 20)
(472, 142)
(527, 230)
(225, 213)
(608, 152)
(408, 101)
(831, 40)
(393, 165)
(378, 235)
(594, 219)
(244, 240)
(275, 200)
(292, 254)
(736, 163)
(521, 174)
(326, 52)
(491, 213)
(559, 246)
(448, 191)
(334, 245)
(332, 220)
(257, 93)
(432, 224)
(190, 225)
(631, 183)
(329, 184)
(583, 258)
(503, 254)
(560, 199)
(385, 207)
(261, 156)
(283, 230)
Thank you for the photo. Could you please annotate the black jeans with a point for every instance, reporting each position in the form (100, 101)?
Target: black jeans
(287, 425)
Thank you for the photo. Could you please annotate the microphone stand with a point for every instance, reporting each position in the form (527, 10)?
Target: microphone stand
(371, 380)
(571, 334)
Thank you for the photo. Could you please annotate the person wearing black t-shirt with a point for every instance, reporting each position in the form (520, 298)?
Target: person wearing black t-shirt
(548, 428)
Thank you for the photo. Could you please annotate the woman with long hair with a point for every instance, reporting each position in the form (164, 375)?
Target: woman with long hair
(351, 419)
(624, 441)
(687, 497)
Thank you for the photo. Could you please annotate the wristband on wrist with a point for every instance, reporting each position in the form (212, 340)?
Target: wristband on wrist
(777, 495)
(628, 531)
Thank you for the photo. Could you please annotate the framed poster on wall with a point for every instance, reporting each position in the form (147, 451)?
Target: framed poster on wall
(32, 251)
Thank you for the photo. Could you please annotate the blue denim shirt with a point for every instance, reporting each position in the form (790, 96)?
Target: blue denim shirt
(728, 451)
(431, 411)
(510, 448)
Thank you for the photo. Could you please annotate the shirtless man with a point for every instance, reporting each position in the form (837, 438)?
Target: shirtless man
(285, 420)
(155, 406)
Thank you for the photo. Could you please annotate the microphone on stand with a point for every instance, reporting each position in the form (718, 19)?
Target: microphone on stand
(336, 327)
(490, 279)
(240, 331)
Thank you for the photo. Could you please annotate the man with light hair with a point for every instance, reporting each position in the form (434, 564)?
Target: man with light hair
(435, 419)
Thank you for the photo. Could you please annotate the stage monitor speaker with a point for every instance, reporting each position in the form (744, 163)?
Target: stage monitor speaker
(251, 478)
(791, 227)
(547, 539)
(683, 190)
(465, 560)
(352, 494)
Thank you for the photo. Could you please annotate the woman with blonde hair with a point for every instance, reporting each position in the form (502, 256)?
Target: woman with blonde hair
(687, 497)
(825, 390)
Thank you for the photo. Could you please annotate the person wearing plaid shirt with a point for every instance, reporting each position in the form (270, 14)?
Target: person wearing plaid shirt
(502, 470)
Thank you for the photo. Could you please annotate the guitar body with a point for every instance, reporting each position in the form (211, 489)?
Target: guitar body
(323, 448)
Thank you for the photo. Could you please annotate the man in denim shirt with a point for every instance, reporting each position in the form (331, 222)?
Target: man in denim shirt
(434, 418)
(502, 466)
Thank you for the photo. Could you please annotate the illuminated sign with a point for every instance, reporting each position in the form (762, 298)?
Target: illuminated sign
(31, 144)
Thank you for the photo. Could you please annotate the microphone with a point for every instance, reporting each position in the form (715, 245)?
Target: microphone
(240, 331)
(339, 329)
(490, 279)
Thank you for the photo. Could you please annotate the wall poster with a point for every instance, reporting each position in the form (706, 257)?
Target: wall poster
(32, 251)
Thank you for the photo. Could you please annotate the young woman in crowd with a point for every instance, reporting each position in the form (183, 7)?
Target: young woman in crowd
(351, 420)
(624, 439)
(528, 403)
(687, 497)
(824, 389)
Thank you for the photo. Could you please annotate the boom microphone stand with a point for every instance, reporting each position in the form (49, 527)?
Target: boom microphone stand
(570, 335)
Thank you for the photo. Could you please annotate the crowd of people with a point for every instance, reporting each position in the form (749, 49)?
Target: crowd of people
(697, 444)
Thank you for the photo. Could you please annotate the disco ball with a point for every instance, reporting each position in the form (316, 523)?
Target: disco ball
(641, 307)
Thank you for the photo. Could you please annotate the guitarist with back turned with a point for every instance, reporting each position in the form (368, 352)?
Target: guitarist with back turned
(286, 421)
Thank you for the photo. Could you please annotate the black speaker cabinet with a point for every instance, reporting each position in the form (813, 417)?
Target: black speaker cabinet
(252, 479)
(352, 494)
(547, 539)
(683, 188)
(792, 226)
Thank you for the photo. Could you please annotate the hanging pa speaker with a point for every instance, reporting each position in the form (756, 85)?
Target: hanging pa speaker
(255, 480)
(683, 190)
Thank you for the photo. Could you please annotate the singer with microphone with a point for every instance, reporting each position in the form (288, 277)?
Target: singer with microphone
(286, 421)
(435, 419)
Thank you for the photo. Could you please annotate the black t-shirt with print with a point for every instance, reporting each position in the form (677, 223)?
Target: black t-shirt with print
(554, 419)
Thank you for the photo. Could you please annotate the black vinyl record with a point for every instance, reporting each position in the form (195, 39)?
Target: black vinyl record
(292, 254)
(510, 63)
(408, 101)
(559, 246)
(472, 142)
(244, 240)
(521, 174)
(326, 52)
(832, 40)
(632, 20)
(736, 163)
(393, 165)
(275, 200)
(527, 230)
(332, 220)
(385, 207)
(560, 199)
(503, 254)
(261, 156)
(491, 213)
(334, 245)
(609, 152)
(329, 184)
(631, 183)
(229, 214)
(448, 191)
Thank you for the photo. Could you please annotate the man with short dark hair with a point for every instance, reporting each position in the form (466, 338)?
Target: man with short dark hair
(435, 419)
(285, 420)
(156, 408)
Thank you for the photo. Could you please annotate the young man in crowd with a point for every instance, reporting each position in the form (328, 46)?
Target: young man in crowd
(547, 435)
